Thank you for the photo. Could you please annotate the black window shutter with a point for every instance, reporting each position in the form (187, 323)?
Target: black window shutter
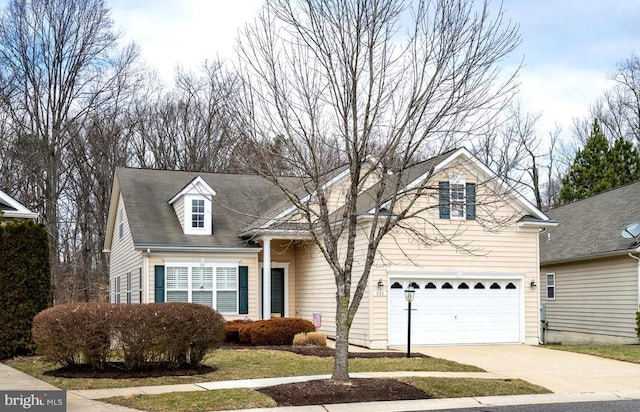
(471, 201)
(243, 283)
(443, 200)
(159, 284)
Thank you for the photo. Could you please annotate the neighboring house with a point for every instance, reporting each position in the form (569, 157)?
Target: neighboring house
(589, 286)
(207, 238)
(11, 209)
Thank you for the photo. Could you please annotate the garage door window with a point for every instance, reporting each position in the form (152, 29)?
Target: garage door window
(479, 286)
(430, 285)
(447, 285)
(463, 286)
(494, 285)
(511, 286)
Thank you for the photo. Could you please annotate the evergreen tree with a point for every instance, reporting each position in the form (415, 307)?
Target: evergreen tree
(599, 167)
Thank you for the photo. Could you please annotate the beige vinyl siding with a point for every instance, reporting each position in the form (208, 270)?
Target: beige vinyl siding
(123, 258)
(598, 296)
(315, 287)
(316, 291)
(247, 259)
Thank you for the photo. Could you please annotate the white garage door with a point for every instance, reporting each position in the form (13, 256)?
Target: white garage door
(456, 311)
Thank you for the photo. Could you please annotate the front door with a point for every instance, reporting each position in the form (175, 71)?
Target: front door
(277, 292)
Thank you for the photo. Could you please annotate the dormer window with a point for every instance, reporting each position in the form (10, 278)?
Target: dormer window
(197, 213)
(193, 207)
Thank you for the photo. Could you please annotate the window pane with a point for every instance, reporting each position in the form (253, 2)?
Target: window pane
(551, 279)
(457, 200)
(177, 277)
(177, 296)
(551, 293)
(197, 206)
(226, 301)
(203, 298)
(202, 278)
(226, 278)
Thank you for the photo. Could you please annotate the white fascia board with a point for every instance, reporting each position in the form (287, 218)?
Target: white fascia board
(19, 215)
(539, 224)
(19, 207)
(113, 209)
(189, 188)
(416, 272)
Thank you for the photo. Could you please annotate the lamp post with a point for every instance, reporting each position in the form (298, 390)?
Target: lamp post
(409, 293)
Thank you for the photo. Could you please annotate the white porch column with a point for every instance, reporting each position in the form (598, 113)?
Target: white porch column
(266, 277)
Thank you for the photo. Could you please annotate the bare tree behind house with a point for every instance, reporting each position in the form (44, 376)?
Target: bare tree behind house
(381, 84)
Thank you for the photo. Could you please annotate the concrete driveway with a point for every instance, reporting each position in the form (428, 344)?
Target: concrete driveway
(558, 371)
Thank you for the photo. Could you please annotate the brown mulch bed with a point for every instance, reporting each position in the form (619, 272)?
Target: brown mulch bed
(357, 390)
(116, 370)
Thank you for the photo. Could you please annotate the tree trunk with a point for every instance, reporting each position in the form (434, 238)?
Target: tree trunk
(341, 356)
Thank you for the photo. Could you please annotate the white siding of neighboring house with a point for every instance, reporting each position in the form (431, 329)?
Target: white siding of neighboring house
(249, 259)
(123, 258)
(597, 297)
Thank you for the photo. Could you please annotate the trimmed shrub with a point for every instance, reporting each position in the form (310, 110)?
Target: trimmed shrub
(25, 283)
(310, 339)
(279, 331)
(150, 335)
(244, 332)
(74, 333)
(638, 324)
(232, 328)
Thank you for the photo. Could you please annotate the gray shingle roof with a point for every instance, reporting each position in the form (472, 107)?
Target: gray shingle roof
(591, 227)
(240, 199)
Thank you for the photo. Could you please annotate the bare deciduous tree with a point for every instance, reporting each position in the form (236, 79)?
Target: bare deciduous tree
(381, 84)
(53, 58)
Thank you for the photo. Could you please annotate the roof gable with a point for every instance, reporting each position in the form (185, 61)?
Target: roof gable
(196, 186)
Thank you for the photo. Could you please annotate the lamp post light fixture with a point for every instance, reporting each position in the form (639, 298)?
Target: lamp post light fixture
(409, 293)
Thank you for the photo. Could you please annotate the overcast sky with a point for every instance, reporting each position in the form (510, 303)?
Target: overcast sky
(569, 47)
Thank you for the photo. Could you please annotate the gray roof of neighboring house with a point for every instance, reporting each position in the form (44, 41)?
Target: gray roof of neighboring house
(591, 227)
(239, 200)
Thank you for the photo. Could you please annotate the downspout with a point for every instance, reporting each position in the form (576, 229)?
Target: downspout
(146, 275)
(638, 288)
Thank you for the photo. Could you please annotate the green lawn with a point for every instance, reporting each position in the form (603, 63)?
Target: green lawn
(250, 364)
(627, 353)
(246, 398)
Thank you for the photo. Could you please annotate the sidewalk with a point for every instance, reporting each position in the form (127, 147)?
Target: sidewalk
(607, 380)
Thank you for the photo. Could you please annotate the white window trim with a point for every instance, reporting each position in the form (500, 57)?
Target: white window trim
(188, 215)
(458, 179)
(189, 264)
(117, 290)
(128, 287)
(551, 286)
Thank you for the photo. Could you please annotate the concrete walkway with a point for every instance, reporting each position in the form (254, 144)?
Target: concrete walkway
(574, 378)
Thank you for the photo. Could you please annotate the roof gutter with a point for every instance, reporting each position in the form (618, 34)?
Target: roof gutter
(201, 248)
(596, 256)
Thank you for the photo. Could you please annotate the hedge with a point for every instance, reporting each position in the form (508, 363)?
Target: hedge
(25, 283)
(276, 331)
(167, 335)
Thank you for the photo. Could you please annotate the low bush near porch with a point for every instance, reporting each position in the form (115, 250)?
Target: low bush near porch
(156, 335)
(276, 331)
